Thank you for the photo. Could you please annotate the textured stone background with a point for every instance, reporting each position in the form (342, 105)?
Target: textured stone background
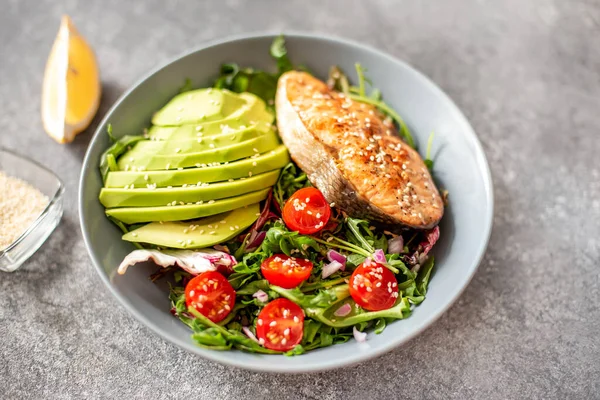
(527, 75)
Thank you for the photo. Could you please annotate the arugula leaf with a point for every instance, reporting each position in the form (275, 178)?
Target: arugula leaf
(257, 82)
(253, 287)
(354, 260)
(423, 277)
(428, 160)
(239, 279)
(279, 239)
(360, 72)
(338, 80)
(109, 132)
(231, 338)
(324, 298)
(107, 160)
(321, 283)
(358, 237)
(357, 314)
(290, 180)
(279, 53)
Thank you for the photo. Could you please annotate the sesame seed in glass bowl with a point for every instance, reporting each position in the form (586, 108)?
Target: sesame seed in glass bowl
(30, 208)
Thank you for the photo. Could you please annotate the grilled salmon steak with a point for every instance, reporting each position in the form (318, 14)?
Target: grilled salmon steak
(354, 157)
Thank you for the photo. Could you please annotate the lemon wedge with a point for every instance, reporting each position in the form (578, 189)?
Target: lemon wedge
(71, 88)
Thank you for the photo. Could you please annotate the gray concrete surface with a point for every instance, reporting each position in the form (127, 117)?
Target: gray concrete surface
(527, 75)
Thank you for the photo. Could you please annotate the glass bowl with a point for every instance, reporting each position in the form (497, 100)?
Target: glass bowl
(13, 256)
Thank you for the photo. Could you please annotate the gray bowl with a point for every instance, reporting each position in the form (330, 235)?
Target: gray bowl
(460, 167)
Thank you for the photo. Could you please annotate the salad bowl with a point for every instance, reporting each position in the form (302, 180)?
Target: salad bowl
(460, 167)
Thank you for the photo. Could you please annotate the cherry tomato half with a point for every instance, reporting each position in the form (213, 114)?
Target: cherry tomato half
(285, 271)
(211, 294)
(280, 325)
(306, 211)
(373, 286)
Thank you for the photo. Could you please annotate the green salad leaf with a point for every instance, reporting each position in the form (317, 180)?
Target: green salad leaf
(280, 240)
(279, 53)
(108, 158)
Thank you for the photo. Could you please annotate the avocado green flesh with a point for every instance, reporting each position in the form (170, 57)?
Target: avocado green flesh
(198, 106)
(200, 233)
(271, 160)
(191, 132)
(256, 114)
(195, 145)
(111, 197)
(134, 215)
(150, 162)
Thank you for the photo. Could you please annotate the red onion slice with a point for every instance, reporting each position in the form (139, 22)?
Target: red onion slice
(343, 310)
(249, 333)
(330, 269)
(256, 240)
(379, 256)
(333, 255)
(396, 245)
(261, 296)
(358, 335)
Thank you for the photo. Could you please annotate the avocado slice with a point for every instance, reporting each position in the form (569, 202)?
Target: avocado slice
(113, 197)
(198, 106)
(196, 234)
(134, 215)
(254, 111)
(150, 162)
(274, 159)
(192, 145)
(193, 132)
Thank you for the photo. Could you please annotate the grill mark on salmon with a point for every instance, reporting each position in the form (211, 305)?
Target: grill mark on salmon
(354, 155)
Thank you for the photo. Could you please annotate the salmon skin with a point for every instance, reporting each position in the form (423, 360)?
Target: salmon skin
(354, 156)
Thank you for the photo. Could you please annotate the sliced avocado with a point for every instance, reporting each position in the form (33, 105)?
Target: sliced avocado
(252, 112)
(198, 106)
(150, 162)
(195, 145)
(191, 132)
(112, 197)
(196, 234)
(134, 215)
(277, 158)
